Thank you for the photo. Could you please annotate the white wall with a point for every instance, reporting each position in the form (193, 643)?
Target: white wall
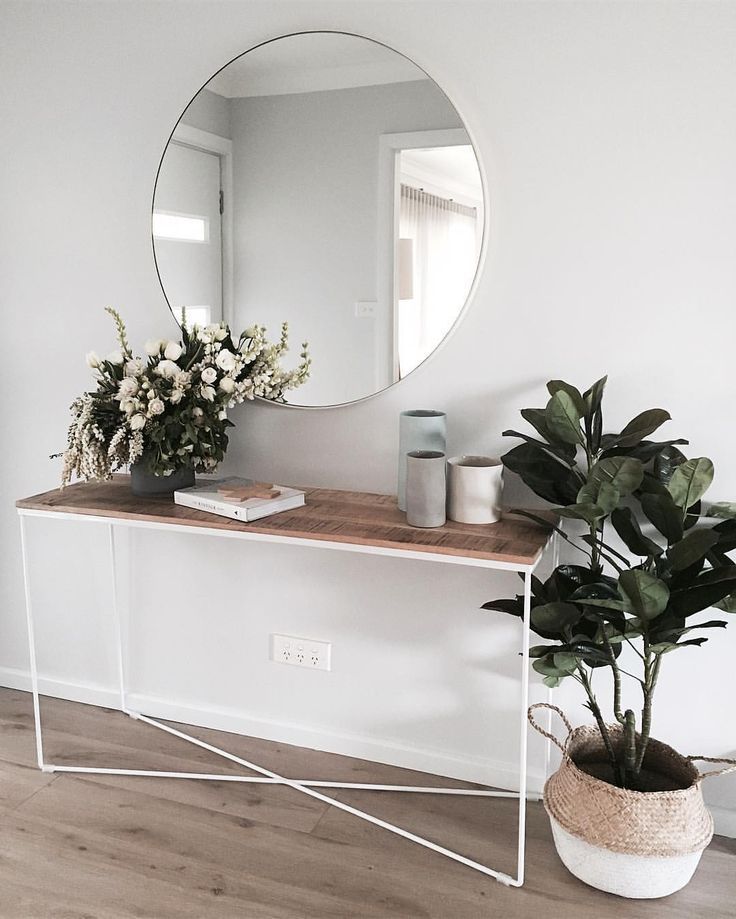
(608, 137)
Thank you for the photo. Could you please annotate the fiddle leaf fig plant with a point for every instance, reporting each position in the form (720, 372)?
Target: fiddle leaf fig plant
(649, 494)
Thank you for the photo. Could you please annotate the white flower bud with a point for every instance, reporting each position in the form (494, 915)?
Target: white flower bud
(93, 360)
(115, 357)
(137, 422)
(227, 384)
(173, 351)
(153, 346)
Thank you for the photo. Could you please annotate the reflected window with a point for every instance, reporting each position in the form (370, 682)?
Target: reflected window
(440, 227)
(182, 227)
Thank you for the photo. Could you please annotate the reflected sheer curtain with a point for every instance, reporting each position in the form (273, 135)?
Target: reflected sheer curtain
(444, 255)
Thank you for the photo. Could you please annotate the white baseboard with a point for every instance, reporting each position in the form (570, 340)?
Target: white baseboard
(386, 751)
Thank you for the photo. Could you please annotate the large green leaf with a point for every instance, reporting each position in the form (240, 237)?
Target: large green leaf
(644, 451)
(547, 667)
(554, 617)
(514, 607)
(593, 399)
(662, 511)
(594, 396)
(602, 493)
(690, 481)
(628, 529)
(622, 472)
(708, 589)
(547, 477)
(587, 512)
(563, 418)
(555, 386)
(565, 453)
(646, 594)
(667, 461)
(537, 419)
(691, 549)
(641, 426)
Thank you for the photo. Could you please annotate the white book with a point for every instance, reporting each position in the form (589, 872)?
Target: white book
(208, 498)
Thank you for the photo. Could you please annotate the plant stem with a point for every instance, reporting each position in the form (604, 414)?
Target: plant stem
(616, 678)
(630, 757)
(652, 674)
(595, 709)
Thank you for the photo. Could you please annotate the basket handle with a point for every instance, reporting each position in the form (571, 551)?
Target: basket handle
(540, 730)
(730, 767)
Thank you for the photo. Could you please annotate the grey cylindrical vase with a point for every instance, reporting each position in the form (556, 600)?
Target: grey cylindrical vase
(145, 484)
(474, 486)
(419, 429)
(426, 490)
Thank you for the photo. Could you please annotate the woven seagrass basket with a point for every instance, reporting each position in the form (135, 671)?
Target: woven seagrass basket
(636, 844)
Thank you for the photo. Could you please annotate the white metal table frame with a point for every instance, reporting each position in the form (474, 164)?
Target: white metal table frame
(266, 776)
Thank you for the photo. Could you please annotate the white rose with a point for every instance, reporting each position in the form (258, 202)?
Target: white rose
(156, 407)
(153, 346)
(225, 360)
(209, 375)
(221, 333)
(227, 384)
(167, 369)
(207, 393)
(128, 388)
(133, 367)
(173, 351)
(137, 422)
(115, 357)
(176, 396)
(183, 378)
(93, 360)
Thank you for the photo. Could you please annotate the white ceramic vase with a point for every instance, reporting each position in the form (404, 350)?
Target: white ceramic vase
(426, 494)
(474, 485)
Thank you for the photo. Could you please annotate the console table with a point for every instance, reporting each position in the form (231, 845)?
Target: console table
(344, 520)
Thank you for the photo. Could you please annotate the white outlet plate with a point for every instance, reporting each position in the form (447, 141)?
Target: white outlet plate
(365, 309)
(301, 652)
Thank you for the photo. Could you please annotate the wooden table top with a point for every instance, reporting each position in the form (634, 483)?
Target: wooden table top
(349, 517)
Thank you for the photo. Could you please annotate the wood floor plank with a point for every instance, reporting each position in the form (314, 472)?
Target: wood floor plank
(108, 847)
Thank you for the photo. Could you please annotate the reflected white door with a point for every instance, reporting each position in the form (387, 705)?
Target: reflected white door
(187, 227)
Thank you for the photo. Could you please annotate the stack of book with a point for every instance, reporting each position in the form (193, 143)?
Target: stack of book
(241, 499)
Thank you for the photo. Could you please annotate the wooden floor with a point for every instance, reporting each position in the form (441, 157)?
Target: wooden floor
(102, 847)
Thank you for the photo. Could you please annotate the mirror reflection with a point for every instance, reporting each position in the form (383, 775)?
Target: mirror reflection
(325, 180)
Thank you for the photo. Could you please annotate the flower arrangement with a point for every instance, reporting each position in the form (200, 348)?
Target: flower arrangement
(169, 411)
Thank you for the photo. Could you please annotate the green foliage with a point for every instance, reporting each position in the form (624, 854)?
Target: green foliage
(650, 493)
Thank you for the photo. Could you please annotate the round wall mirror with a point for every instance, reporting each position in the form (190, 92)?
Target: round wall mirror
(324, 180)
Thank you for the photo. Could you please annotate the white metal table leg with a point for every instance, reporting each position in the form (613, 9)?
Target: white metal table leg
(32, 649)
(523, 730)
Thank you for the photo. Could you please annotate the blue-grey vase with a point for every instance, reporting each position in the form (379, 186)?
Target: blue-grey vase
(419, 429)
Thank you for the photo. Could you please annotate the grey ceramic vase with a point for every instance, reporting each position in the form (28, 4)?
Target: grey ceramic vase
(419, 429)
(426, 490)
(145, 484)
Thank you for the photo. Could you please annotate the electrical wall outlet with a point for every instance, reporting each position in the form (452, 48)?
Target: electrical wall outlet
(301, 652)
(365, 309)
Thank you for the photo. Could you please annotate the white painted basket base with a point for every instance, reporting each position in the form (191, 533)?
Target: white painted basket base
(634, 876)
